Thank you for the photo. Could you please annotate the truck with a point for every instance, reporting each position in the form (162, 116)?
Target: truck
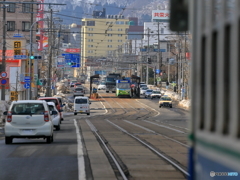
(110, 81)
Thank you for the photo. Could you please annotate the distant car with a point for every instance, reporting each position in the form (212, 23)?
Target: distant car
(143, 85)
(165, 101)
(55, 117)
(148, 93)
(155, 94)
(77, 84)
(102, 86)
(143, 90)
(28, 119)
(78, 92)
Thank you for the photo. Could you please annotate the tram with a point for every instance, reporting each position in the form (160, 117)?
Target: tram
(215, 88)
(123, 88)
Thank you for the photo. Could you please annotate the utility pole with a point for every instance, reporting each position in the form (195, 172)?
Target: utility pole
(147, 57)
(159, 52)
(4, 50)
(48, 91)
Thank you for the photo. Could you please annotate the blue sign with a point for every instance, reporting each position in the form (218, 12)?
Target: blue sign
(27, 85)
(161, 50)
(72, 58)
(3, 81)
(27, 79)
(20, 56)
(158, 71)
(17, 35)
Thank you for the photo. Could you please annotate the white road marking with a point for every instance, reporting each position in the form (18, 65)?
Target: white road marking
(80, 155)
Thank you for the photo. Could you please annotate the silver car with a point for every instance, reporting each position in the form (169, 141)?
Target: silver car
(148, 93)
(78, 92)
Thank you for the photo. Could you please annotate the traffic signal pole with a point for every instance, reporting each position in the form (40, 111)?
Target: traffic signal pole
(4, 50)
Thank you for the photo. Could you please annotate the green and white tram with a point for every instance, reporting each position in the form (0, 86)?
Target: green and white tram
(215, 88)
(123, 88)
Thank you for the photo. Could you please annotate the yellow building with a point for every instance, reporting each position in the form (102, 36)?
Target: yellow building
(100, 37)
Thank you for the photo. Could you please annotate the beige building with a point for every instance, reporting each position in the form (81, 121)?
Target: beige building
(101, 37)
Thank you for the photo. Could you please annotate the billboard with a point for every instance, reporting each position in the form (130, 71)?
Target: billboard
(160, 14)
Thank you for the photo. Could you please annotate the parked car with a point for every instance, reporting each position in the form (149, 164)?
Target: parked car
(78, 92)
(156, 94)
(77, 84)
(102, 86)
(28, 119)
(148, 93)
(81, 105)
(57, 104)
(142, 85)
(143, 90)
(165, 101)
(55, 117)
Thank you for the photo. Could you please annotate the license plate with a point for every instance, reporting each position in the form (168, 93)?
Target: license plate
(27, 131)
(80, 111)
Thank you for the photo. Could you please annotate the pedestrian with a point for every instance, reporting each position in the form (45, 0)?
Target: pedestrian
(167, 85)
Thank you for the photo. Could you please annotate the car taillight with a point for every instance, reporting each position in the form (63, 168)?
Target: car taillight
(46, 117)
(9, 116)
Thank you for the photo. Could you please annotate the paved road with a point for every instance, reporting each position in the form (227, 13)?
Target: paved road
(77, 151)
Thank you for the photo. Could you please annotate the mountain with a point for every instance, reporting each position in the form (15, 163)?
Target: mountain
(77, 9)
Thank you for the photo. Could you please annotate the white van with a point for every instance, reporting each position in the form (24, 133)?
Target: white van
(82, 105)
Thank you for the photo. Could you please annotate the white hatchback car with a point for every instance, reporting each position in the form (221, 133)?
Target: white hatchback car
(28, 119)
(55, 117)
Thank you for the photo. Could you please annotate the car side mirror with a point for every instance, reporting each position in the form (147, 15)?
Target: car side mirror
(5, 113)
(63, 104)
(90, 103)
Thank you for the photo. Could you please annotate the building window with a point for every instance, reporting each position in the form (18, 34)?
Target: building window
(119, 29)
(109, 40)
(90, 45)
(11, 8)
(90, 40)
(119, 22)
(119, 35)
(90, 23)
(162, 30)
(10, 25)
(90, 34)
(90, 29)
(109, 34)
(90, 51)
(119, 40)
(25, 26)
(110, 29)
(109, 46)
(26, 8)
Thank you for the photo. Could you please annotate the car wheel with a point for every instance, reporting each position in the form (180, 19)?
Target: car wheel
(49, 139)
(75, 113)
(160, 106)
(170, 106)
(107, 91)
(8, 140)
(58, 127)
(88, 114)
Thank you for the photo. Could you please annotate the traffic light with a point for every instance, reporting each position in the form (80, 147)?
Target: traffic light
(149, 61)
(35, 57)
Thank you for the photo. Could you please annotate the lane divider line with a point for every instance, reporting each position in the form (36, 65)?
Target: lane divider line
(80, 154)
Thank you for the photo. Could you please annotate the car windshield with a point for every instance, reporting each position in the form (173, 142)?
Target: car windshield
(149, 90)
(144, 88)
(27, 108)
(78, 89)
(156, 92)
(81, 101)
(166, 99)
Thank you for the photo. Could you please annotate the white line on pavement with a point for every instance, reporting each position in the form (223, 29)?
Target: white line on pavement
(81, 165)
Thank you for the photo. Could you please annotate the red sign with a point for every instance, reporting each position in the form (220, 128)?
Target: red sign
(161, 14)
(188, 55)
(3, 74)
(72, 50)
(40, 24)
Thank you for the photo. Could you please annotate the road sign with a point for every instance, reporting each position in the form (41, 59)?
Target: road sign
(27, 85)
(72, 58)
(14, 95)
(20, 56)
(18, 35)
(3, 74)
(3, 81)
(157, 71)
(27, 79)
(17, 47)
(35, 77)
